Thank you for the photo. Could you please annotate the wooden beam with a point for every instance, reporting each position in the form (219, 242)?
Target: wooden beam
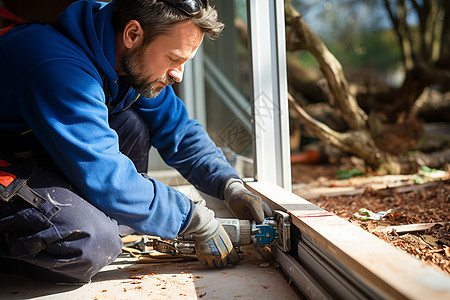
(394, 272)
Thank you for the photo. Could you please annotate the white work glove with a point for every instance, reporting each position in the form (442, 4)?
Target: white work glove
(212, 243)
(243, 204)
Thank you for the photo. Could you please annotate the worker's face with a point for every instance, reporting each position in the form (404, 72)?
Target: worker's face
(161, 63)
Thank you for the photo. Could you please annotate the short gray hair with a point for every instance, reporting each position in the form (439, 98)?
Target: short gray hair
(157, 18)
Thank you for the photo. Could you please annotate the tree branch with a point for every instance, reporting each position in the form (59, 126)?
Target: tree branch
(320, 130)
(400, 27)
(354, 116)
(358, 142)
(439, 19)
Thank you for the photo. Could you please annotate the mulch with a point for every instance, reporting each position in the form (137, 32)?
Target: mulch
(427, 203)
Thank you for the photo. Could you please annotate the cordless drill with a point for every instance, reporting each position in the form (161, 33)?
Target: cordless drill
(274, 229)
(246, 232)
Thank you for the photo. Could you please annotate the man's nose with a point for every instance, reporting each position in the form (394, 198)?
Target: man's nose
(177, 73)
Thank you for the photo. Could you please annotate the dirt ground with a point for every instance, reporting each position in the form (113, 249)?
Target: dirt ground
(406, 202)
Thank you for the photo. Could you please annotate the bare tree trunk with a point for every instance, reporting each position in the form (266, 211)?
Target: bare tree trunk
(420, 66)
(332, 69)
(401, 28)
(360, 139)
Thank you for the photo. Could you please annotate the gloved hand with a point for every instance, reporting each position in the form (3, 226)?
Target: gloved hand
(212, 243)
(243, 204)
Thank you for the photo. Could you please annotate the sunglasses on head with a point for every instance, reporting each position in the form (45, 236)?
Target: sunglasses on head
(188, 7)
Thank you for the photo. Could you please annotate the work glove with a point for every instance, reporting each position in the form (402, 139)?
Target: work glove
(212, 243)
(243, 204)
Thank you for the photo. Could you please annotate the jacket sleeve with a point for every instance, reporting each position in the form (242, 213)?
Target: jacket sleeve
(184, 144)
(63, 103)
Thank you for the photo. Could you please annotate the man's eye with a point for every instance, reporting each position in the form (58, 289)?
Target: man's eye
(173, 60)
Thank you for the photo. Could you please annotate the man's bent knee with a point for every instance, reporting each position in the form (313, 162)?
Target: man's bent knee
(93, 249)
(66, 239)
(87, 246)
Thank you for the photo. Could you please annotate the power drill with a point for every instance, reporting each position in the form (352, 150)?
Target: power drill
(274, 229)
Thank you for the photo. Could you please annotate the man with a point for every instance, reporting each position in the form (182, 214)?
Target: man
(84, 100)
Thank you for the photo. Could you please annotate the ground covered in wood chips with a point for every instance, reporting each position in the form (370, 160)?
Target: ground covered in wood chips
(404, 201)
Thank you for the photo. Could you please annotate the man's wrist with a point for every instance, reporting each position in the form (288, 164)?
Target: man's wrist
(233, 185)
(202, 221)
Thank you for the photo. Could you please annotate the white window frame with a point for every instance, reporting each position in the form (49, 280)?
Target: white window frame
(270, 105)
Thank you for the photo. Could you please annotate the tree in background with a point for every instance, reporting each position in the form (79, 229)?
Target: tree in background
(425, 50)
(381, 133)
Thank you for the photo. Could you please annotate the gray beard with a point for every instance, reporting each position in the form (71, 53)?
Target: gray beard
(138, 82)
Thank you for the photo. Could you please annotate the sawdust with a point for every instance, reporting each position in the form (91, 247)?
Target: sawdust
(151, 286)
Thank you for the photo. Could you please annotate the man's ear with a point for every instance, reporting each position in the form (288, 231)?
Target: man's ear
(133, 34)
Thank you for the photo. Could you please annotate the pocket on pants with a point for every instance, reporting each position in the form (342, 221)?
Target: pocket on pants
(26, 233)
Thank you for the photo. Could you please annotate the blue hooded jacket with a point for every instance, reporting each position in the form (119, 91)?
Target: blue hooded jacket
(50, 83)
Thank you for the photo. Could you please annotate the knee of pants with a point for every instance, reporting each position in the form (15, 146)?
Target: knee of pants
(82, 254)
(102, 243)
(83, 241)
(72, 242)
(93, 245)
(84, 230)
(88, 238)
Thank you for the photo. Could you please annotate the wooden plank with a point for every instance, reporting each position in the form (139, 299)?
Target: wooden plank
(412, 227)
(415, 187)
(396, 273)
(345, 188)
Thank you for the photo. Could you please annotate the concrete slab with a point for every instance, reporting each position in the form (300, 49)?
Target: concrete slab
(256, 277)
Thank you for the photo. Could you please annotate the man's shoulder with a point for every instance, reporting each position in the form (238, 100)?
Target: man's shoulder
(36, 45)
(50, 41)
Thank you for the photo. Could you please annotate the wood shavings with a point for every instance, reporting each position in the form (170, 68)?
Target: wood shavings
(418, 204)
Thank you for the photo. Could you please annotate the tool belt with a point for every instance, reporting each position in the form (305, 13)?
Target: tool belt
(14, 175)
(17, 164)
(18, 161)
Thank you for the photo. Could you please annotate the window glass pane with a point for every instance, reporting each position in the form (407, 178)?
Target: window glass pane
(228, 87)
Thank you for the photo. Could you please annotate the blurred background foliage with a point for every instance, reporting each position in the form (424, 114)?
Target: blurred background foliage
(359, 33)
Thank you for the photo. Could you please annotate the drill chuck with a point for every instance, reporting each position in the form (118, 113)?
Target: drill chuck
(246, 232)
(238, 230)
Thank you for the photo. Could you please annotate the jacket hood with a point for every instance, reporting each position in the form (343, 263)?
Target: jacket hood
(89, 24)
